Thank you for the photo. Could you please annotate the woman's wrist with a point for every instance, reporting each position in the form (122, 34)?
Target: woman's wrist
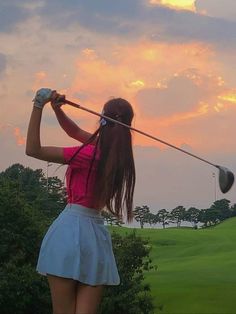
(37, 109)
(56, 109)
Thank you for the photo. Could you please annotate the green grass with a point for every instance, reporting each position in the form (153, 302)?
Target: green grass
(196, 269)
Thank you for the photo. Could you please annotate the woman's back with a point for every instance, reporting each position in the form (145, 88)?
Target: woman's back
(78, 172)
(115, 169)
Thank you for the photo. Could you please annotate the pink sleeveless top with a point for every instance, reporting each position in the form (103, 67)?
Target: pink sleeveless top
(76, 175)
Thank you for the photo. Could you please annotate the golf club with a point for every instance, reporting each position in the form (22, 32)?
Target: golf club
(226, 177)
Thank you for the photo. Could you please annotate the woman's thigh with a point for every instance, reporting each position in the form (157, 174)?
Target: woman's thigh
(88, 298)
(63, 294)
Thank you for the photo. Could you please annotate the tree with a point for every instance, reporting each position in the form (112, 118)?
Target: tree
(221, 209)
(208, 217)
(21, 290)
(28, 181)
(131, 296)
(151, 219)
(177, 215)
(141, 214)
(192, 215)
(202, 217)
(233, 210)
(111, 219)
(53, 198)
(163, 217)
(48, 196)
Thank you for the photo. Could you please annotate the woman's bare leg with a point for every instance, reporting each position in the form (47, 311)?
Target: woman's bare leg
(88, 298)
(63, 294)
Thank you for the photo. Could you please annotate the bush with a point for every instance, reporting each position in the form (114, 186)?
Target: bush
(22, 290)
(131, 296)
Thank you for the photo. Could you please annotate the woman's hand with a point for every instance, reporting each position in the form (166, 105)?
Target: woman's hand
(43, 96)
(57, 100)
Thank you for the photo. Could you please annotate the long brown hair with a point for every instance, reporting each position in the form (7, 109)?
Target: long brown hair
(115, 175)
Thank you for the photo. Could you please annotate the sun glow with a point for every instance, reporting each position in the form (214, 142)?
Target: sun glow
(230, 97)
(177, 4)
(137, 83)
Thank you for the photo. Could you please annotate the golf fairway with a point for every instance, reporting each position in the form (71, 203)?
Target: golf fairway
(196, 268)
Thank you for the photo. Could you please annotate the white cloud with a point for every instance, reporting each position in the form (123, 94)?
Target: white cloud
(225, 9)
(131, 20)
(11, 13)
(3, 64)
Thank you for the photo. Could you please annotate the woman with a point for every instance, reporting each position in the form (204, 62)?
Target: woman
(76, 252)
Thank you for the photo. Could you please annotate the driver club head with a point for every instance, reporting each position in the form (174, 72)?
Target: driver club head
(226, 179)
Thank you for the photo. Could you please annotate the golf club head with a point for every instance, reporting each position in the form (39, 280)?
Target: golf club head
(226, 179)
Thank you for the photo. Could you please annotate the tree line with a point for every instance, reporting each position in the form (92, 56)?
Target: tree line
(216, 213)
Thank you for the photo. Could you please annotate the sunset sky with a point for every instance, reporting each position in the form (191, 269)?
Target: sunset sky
(174, 60)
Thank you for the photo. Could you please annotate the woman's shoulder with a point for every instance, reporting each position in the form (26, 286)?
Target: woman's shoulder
(87, 152)
(89, 149)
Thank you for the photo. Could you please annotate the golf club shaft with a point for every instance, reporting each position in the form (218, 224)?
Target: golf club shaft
(139, 131)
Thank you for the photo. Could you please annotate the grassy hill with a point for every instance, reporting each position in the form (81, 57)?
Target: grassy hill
(196, 269)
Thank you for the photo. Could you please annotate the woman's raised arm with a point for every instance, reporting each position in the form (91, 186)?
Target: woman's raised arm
(33, 143)
(69, 126)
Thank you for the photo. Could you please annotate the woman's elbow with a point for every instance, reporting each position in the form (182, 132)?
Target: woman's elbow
(30, 152)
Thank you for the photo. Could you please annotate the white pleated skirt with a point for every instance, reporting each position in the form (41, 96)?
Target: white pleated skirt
(78, 245)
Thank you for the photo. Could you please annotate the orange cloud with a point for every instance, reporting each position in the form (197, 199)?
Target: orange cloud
(19, 138)
(133, 67)
(202, 109)
(125, 70)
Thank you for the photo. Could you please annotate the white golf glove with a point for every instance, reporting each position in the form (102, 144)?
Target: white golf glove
(42, 97)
